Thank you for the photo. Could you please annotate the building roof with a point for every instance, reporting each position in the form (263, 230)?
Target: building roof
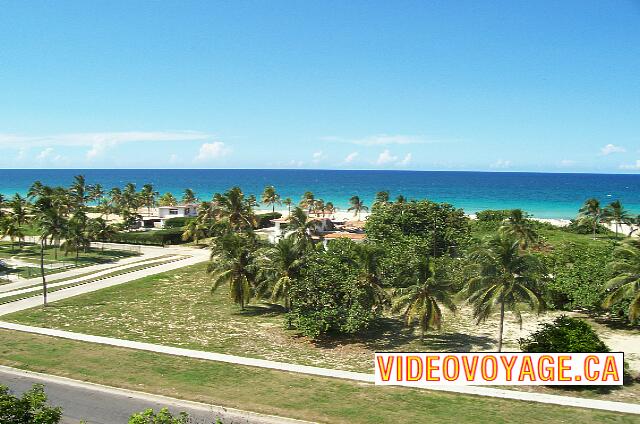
(190, 205)
(344, 234)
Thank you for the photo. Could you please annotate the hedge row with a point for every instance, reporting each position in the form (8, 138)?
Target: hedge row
(153, 237)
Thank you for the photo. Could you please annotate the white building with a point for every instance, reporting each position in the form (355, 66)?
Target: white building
(179, 211)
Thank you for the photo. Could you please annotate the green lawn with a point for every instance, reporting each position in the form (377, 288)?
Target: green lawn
(29, 254)
(273, 392)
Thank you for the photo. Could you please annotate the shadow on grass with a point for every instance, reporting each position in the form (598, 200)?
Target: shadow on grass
(264, 309)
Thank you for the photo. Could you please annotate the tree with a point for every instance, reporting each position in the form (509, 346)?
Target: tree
(75, 235)
(288, 202)
(616, 214)
(357, 206)
(329, 208)
(502, 276)
(300, 225)
(401, 199)
(101, 230)
(625, 283)
(96, 193)
(421, 300)
(189, 197)
(18, 205)
(31, 408)
(148, 416)
(148, 197)
(130, 198)
(563, 335)
(280, 267)
(233, 264)
(382, 198)
(592, 213)
(329, 296)
(194, 230)
(520, 227)
(270, 197)
(167, 199)
(319, 207)
(369, 258)
(237, 210)
(12, 229)
(51, 225)
(307, 202)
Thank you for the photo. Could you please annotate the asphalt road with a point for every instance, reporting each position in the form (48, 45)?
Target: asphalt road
(103, 405)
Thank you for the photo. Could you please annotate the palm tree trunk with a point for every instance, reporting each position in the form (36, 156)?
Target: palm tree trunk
(44, 280)
(501, 326)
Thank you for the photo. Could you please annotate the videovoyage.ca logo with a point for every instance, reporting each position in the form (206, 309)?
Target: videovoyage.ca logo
(508, 368)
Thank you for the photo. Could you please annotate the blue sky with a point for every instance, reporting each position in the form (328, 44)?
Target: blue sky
(452, 85)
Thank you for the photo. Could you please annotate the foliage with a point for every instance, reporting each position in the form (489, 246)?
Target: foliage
(564, 334)
(152, 237)
(264, 219)
(491, 215)
(177, 222)
(439, 227)
(578, 275)
(31, 408)
(625, 284)
(585, 226)
(148, 416)
(329, 297)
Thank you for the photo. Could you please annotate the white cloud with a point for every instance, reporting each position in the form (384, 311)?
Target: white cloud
(318, 156)
(386, 157)
(501, 164)
(632, 166)
(405, 161)
(612, 148)
(98, 138)
(22, 154)
(350, 157)
(380, 140)
(296, 163)
(212, 151)
(48, 154)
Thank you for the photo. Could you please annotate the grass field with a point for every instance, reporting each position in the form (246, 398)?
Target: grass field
(177, 309)
(273, 392)
(29, 258)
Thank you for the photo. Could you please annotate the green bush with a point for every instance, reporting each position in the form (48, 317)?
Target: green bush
(148, 416)
(578, 274)
(152, 237)
(564, 334)
(178, 222)
(491, 215)
(31, 408)
(264, 219)
(585, 227)
(328, 297)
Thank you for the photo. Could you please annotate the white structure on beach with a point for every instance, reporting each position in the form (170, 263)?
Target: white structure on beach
(178, 211)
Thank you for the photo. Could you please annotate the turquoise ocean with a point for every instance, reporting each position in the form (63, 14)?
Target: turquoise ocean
(545, 195)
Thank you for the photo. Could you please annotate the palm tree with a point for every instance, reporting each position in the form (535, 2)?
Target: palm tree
(329, 208)
(382, 198)
(615, 213)
(520, 227)
(75, 236)
(148, 197)
(194, 230)
(592, 212)
(12, 229)
(626, 281)
(96, 193)
(115, 199)
(369, 263)
(18, 205)
(270, 197)
(401, 199)
(288, 202)
(421, 300)
(101, 230)
(189, 197)
(300, 225)
(503, 276)
(232, 263)
(280, 266)
(78, 192)
(167, 199)
(357, 206)
(50, 225)
(307, 201)
(130, 198)
(319, 207)
(233, 207)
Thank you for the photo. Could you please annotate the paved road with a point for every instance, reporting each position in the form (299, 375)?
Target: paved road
(98, 404)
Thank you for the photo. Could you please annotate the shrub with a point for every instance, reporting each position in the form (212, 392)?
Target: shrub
(328, 297)
(264, 219)
(491, 215)
(148, 416)
(30, 408)
(564, 334)
(578, 274)
(152, 237)
(585, 227)
(178, 222)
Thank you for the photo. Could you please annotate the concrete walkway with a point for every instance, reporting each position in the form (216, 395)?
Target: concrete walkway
(327, 372)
